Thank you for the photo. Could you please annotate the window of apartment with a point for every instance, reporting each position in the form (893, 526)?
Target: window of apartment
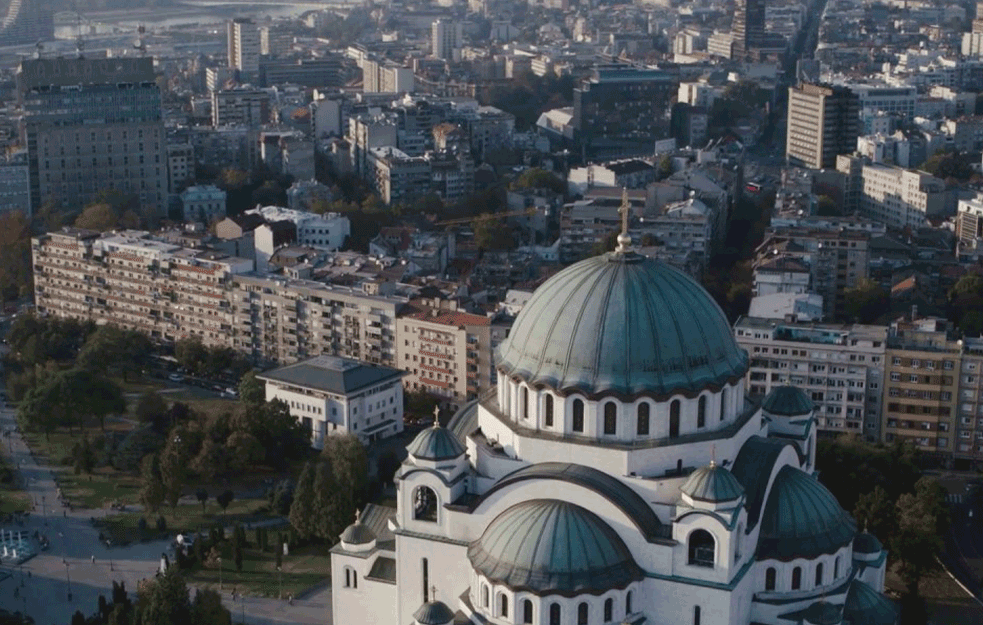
(896, 361)
(895, 376)
(947, 365)
(913, 378)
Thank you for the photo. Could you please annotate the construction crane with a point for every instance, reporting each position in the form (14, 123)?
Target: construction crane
(527, 212)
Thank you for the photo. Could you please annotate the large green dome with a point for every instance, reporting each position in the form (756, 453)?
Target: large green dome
(802, 519)
(547, 546)
(623, 324)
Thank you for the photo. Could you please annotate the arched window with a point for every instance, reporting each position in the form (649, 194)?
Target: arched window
(549, 411)
(674, 419)
(424, 504)
(578, 415)
(354, 579)
(525, 403)
(608, 610)
(723, 403)
(819, 574)
(696, 615)
(701, 548)
(503, 606)
(351, 580)
(582, 614)
(643, 419)
(836, 568)
(610, 418)
(485, 602)
(796, 578)
(770, 576)
(554, 614)
(737, 542)
(527, 611)
(426, 580)
(628, 603)
(701, 412)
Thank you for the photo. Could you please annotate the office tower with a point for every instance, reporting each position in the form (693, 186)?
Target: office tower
(243, 46)
(446, 38)
(823, 121)
(748, 27)
(90, 125)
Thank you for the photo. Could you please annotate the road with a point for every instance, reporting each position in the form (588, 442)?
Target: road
(53, 585)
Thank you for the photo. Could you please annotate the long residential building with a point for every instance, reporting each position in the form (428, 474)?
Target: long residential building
(840, 367)
(170, 292)
(897, 197)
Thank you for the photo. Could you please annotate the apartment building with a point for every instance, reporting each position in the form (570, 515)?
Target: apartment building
(841, 368)
(131, 280)
(922, 386)
(968, 435)
(243, 47)
(279, 319)
(180, 166)
(91, 125)
(447, 352)
(331, 395)
(240, 107)
(383, 76)
(205, 203)
(823, 121)
(897, 197)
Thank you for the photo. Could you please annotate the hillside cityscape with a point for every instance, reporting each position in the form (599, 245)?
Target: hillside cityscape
(500, 312)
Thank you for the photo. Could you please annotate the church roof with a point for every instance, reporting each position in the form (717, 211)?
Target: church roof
(752, 468)
(357, 534)
(464, 421)
(866, 542)
(787, 401)
(608, 486)
(623, 324)
(435, 443)
(433, 613)
(547, 546)
(866, 606)
(802, 519)
(712, 483)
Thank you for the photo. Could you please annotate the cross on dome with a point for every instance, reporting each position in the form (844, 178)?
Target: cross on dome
(436, 416)
(624, 241)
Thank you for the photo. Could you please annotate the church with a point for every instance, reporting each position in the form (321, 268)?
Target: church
(616, 474)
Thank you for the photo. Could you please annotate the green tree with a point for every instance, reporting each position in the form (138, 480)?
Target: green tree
(207, 608)
(151, 408)
(223, 499)
(110, 210)
(303, 507)
(492, 232)
(828, 207)
(342, 484)
(867, 301)
(83, 456)
(202, 496)
(537, 178)
(152, 491)
(386, 466)
(252, 391)
(167, 600)
(327, 514)
(966, 298)
(875, 513)
(237, 548)
(191, 355)
(15, 256)
(111, 349)
(917, 542)
(70, 397)
(173, 466)
(244, 451)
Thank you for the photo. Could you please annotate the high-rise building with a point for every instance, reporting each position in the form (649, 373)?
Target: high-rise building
(748, 27)
(27, 21)
(446, 39)
(243, 48)
(897, 197)
(91, 125)
(823, 121)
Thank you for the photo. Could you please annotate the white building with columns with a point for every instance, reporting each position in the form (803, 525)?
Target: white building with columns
(617, 474)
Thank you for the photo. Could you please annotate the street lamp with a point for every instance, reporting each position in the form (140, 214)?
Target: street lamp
(68, 579)
(220, 573)
(279, 574)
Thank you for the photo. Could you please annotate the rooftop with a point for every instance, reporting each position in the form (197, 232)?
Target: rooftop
(331, 374)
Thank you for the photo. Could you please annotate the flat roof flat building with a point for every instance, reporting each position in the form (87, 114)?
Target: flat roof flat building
(823, 121)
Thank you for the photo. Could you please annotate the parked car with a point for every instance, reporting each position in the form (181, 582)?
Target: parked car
(176, 377)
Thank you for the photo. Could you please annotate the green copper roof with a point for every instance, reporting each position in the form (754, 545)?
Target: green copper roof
(802, 519)
(464, 421)
(433, 613)
(435, 443)
(866, 542)
(753, 467)
(622, 324)
(866, 606)
(787, 401)
(553, 547)
(712, 483)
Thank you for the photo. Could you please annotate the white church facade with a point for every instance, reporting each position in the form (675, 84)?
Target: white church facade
(617, 474)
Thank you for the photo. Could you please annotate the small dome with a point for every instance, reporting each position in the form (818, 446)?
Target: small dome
(712, 483)
(433, 613)
(357, 534)
(787, 401)
(623, 324)
(553, 547)
(435, 443)
(866, 542)
(802, 519)
(866, 606)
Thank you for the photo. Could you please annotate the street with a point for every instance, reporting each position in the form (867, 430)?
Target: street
(53, 585)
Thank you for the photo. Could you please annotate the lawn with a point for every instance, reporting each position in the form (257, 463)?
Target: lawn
(302, 569)
(12, 499)
(187, 518)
